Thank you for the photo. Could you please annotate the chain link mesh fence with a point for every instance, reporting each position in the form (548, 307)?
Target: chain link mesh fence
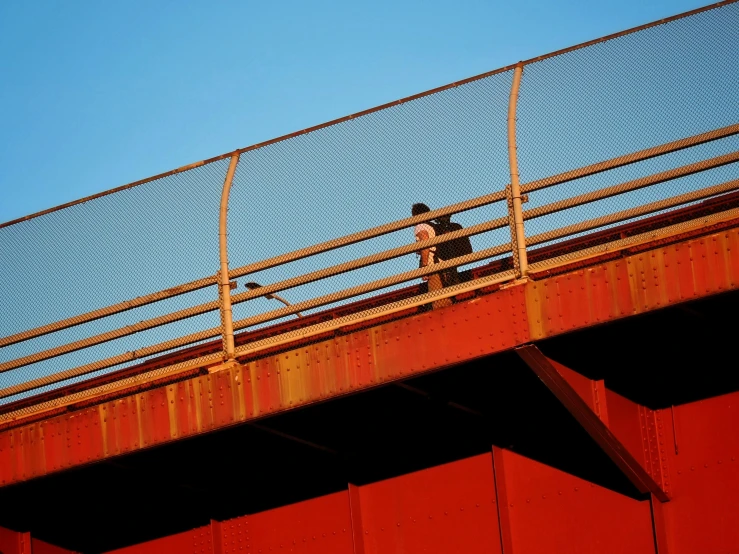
(586, 105)
(618, 96)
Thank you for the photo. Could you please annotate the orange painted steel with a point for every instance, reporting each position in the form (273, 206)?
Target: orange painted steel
(632, 284)
(591, 421)
(708, 207)
(12, 542)
(454, 507)
(503, 502)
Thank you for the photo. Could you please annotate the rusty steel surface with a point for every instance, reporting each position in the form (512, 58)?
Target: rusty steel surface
(12, 542)
(727, 202)
(514, 220)
(370, 357)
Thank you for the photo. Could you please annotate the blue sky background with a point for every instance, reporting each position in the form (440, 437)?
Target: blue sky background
(94, 95)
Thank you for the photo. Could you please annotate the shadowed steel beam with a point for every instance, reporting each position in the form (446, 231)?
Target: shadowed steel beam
(598, 431)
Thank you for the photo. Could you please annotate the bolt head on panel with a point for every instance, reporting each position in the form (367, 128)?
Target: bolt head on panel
(225, 366)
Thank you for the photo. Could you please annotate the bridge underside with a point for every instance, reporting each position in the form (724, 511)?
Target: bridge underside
(454, 416)
(627, 393)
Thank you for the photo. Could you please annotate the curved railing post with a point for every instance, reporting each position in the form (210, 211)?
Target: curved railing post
(515, 213)
(224, 283)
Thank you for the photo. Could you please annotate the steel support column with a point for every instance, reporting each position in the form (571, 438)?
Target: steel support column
(600, 433)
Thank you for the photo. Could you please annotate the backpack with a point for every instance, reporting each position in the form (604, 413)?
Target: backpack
(453, 248)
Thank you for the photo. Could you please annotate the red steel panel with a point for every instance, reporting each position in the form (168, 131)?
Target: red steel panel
(446, 509)
(623, 420)
(41, 547)
(320, 526)
(197, 541)
(12, 542)
(704, 515)
(586, 416)
(554, 512)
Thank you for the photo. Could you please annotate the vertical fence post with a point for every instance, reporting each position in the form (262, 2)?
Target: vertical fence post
(224, 283)
(515, 214)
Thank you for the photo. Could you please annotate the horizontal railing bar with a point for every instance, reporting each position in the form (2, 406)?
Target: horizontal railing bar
(243, 297)
(269, 316)
(371, 286)
(254, 267)
(634, 157)
(371, 259)
(631, 186)
(374, 258)
(304, 332)
(371, 233)
(635, 240)
(631, 213)
(350, 319)
(107, 311)
(368, 234)
(108, 336)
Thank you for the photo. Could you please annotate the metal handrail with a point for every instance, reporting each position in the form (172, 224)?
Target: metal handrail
(375, 285)
(368, 315)
(353, 238)
(514, 193)
(262, 265)
(331, 271)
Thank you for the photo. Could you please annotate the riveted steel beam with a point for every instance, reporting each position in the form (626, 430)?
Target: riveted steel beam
(593, 425)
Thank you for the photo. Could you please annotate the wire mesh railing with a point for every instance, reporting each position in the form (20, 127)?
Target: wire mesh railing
(633, 125)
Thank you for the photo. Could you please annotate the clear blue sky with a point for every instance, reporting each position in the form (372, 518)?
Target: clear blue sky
(97, 94)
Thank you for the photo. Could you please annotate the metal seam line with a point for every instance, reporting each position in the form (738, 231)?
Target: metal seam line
(374, 232)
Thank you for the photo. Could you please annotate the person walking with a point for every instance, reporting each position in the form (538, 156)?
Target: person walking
(424, 231)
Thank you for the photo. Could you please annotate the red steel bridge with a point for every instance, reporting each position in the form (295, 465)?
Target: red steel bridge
(580, 394)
